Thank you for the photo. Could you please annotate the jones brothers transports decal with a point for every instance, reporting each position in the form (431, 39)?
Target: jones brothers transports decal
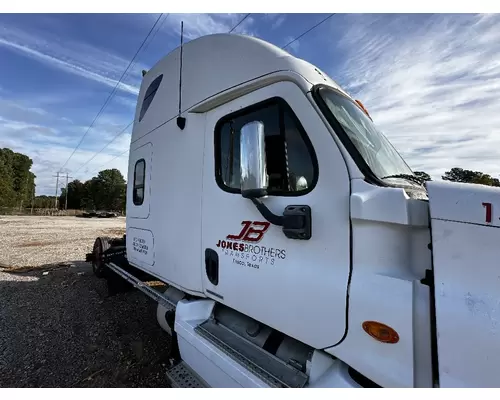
(245, 250)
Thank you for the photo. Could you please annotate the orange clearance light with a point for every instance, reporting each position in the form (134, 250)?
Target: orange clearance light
(363, 108)
(381, 332)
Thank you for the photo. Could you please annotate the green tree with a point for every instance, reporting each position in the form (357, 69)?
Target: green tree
(106, 191)
(17, 182)
(467, 176)
(44, 201)
(76, 194)
(423, 175)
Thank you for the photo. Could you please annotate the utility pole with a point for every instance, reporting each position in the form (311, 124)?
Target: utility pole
(66, 196)
(57, 187)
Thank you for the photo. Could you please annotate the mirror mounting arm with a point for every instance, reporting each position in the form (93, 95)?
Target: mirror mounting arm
(296, 220)
(266, 213)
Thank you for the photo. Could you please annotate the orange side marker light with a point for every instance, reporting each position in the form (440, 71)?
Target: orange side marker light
(363, 108)
(381, 332)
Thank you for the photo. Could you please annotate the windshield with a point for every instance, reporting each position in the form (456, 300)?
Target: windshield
(376, 150)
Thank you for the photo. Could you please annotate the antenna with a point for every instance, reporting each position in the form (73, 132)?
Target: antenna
(181, 121)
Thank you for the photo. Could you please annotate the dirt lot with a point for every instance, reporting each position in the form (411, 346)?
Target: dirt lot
(59, 327)
(42, 240)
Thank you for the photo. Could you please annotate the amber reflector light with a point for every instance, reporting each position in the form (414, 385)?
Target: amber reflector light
(361, 105)
(381, 332)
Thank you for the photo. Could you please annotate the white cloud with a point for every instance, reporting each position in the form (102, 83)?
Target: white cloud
(196, 25)
(27, 127)
(110, 136)
(276, 20)
(48, 150)
(73, 57)
(49, 140)
(292, 45)
(431, 83)
(129, 102)
(15, 110)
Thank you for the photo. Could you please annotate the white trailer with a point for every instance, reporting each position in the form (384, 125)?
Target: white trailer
(298, 247)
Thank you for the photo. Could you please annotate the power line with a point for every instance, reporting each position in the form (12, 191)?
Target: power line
(158, 30)
(100, 151)
(107, 162)
(120, 133)
(146, 45)
(309, 30)
(112, 92)
(239, 23)
(124, 129)
(149, 33)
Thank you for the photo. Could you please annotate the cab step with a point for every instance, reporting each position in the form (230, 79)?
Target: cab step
(142, 286)
(269, 368)
(182, 376)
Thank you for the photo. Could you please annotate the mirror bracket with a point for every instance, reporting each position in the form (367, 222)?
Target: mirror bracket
(267, 213)
(296, 220)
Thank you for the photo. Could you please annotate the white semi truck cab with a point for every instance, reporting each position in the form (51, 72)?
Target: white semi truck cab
(298, 247)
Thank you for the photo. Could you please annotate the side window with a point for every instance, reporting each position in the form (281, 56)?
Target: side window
(150, 94)
(291, 162)
(139, 178)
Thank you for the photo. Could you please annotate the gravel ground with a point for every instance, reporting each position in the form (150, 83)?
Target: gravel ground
(39, 240)
(59, 327)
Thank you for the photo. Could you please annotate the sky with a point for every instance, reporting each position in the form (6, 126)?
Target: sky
(431, 82)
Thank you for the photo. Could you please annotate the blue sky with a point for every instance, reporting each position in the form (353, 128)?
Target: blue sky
(430, 81)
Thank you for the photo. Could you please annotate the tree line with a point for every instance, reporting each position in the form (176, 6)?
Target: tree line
(464, 176)
(105, 191)
(17, 182)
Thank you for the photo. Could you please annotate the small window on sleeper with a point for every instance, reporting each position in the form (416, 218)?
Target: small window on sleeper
(139, 179)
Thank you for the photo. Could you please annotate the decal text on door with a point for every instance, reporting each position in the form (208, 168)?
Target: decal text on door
(243, 247)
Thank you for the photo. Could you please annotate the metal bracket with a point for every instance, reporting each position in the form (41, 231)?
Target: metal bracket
(297, 222)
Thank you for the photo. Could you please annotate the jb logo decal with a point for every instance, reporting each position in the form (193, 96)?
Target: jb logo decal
(251, 232)
(244, 248)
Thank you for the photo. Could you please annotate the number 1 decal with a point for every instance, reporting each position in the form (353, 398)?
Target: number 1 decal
(487, 206)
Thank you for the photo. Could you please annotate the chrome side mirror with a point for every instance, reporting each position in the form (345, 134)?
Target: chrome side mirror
(296, 220)
(253, 168)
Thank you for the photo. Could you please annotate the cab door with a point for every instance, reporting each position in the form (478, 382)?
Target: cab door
(296, 286)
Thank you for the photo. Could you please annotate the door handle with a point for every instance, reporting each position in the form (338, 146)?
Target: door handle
(212, 266)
